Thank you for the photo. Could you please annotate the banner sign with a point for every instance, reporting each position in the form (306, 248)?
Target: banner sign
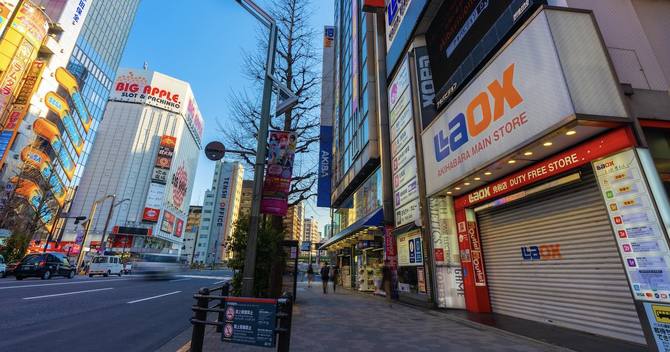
(465, 33)
(179, 229)
(410, 250)
(277, 183)
(49, 131)
(66, 80)
(470, 246)
(167, 225)
(40, 161)
(59, 106)
(163, 159)
(568, 160)
(250, 321)
(426, 89)
(324, 182)
(154, 202)
(500, 110)
(637, 228)
(403, 150)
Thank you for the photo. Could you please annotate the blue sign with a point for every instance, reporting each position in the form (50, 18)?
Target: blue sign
(417, 249)
(324, 182)
(250, 321)
(5, 136)
(412, 251)
(404, 31)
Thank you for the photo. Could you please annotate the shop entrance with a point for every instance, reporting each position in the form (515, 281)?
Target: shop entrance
(552, 258)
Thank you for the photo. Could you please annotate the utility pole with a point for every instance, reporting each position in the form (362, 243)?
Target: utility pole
(103, 242)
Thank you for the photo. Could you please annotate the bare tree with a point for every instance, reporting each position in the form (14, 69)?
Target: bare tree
(296, 67)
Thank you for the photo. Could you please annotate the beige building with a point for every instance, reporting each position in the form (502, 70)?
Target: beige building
(311, 231)
(293, 222)
(247, 196)
(191, 231)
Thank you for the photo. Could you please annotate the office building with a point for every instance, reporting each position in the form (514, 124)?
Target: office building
(146, 154)
(219, 213)
(294, 222)
(191, 232)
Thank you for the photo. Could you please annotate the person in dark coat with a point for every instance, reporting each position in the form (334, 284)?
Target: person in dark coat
(325, 273)
(334, 274)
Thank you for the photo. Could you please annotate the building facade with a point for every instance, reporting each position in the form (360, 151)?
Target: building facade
(149, 165)
(527, 167)
(191, 232)
(247, 197)
(220, 212)
(294, 222)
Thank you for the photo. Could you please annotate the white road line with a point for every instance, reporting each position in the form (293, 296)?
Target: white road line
(205, 277)
(64, 283)
(184, 279)
(71, 293)
(220, 282)
(148, 298)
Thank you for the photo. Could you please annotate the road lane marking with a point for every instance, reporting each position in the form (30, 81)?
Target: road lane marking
(70, 293)
(205, 277)
(184, 279)
(220, 282)
(148, 298)
(64, 283)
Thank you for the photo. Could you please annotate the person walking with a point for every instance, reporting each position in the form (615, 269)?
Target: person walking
(325, 272)
(334, 275)
(310, 275)
(387, 278)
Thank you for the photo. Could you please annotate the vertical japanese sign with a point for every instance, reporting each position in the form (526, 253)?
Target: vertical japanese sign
(324, 182)
(163, 159)
(637, 229)
(179, 229)
(277, 183)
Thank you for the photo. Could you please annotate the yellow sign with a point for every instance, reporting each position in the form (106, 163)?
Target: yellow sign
(49, 131)
(661, 313)
(69, 82)
(40, 161)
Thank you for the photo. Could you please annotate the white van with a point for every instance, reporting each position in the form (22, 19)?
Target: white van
(105, 265)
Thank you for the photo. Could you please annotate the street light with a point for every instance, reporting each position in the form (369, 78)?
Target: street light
(94, 208)
(103, 242)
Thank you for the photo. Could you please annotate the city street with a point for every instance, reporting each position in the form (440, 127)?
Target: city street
(101, 314)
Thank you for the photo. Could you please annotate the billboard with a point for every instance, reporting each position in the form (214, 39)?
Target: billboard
(279, 171)
(151, 88)
(56, 104)
(154, 202)
(163, 159)
(465, 33)
(522, 93)
(66, 80)
(167, 225)
(324, 182)
(49, 132)
(40, 161)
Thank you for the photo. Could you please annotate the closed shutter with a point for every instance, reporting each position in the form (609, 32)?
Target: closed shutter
(586, 289)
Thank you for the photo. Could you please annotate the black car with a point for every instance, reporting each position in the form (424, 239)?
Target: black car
(44, 266)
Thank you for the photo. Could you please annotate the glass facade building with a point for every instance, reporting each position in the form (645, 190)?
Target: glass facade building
(96, 58)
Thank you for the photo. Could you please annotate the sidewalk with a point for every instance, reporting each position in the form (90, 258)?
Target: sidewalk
(349, 321)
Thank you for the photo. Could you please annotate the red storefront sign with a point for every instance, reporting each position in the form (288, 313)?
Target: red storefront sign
(151, 214)
(575, 157)
(180, 226)
(472, 262)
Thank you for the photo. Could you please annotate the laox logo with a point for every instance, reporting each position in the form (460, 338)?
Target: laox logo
(478, 116)
(541, 252)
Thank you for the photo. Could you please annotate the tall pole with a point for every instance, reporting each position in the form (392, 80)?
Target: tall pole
(80, 256)
(103, 241)
(259, 168)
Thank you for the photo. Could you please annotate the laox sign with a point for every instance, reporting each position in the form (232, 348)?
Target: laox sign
(149, 90)
(469, 124)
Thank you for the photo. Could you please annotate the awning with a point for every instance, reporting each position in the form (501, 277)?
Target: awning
(376, 218)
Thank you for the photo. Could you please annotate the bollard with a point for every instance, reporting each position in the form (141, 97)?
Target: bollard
(285, 314)
(225, 289)
(198, 335)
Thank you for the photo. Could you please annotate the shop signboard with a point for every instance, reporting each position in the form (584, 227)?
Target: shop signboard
(179, 187)
(520, 94)
(69, 82)
(410, 250)
(167, 225)
(407, 213)
(465, 33)
(638, 231)
(41, 162)
(279, 171)
(401, 18)
(426, 88)
(659, 321)
(56, 104)
(324, 182)
(250, 321)
(163, 159)
(151, 88)
(49, 131)
(421, 279)
(6, 9)
(179, 228)
(154, 202)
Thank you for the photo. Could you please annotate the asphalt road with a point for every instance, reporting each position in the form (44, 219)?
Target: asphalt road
(97, 314)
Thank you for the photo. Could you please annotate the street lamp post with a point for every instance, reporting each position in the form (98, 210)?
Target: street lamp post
(259, 165)
(103, 242)
(91, 214)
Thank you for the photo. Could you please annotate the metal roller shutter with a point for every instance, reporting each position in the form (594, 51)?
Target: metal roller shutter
(586, 289)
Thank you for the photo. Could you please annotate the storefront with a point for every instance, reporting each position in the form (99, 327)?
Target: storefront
(538, 176)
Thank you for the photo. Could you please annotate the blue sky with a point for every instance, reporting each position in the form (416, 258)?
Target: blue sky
(201, 43)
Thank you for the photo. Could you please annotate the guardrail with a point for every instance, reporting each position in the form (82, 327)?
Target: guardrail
(208, 301)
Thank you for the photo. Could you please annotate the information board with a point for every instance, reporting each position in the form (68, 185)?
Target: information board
(659, 320)
(636, 225)
(250, 321)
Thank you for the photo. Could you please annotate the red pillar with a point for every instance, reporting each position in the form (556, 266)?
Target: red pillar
(472, 262)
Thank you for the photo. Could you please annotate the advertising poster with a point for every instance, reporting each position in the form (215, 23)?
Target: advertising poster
(167, 225)
(637, 229)
(154, 202)
(40, 161)
(164, 159)
(66, 80)
(49, 131)
(180, 228)
(421, 279)
(281, 148)
(59, 106)
(409, 249)
(659, 320)
(179, 186)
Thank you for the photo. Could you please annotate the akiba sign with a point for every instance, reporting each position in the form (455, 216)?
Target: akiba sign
(519, 96)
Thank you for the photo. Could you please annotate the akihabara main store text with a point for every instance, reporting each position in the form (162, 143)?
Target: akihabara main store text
(534, 168)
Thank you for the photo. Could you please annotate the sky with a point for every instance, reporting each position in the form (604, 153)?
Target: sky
(202, 43)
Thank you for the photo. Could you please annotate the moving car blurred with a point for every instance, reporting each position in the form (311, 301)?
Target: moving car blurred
(3, 267)
(157, 266)
(105, 265)
(44, 266)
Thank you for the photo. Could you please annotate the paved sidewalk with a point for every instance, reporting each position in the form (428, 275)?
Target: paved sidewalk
(349, 321)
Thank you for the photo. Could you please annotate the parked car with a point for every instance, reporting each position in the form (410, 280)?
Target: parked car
(44, 266)
(157, 266)
(3, 267)
(105, 265)
(11, 267)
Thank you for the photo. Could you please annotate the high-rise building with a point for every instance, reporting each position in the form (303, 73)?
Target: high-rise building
(311, 231)
(327, 231)
(191, 232)
(220, 211)
(293, 222)
(247, 197)
(146, 154)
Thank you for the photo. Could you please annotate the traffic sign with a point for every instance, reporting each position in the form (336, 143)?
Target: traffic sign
(215, 151)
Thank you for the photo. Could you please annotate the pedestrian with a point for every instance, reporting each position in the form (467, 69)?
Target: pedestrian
(386, 279)
(325, 271)
(334, 274)
(310, 275)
